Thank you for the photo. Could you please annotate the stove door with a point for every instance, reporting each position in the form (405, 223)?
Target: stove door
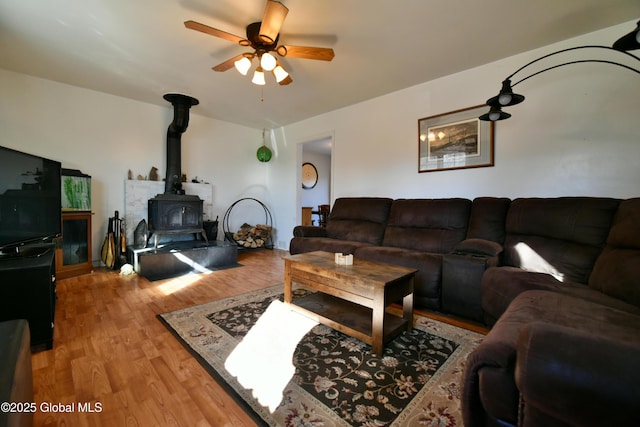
(175, 215)
(181, 216)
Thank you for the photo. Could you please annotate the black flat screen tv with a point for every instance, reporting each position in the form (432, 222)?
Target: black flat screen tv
(30, 200)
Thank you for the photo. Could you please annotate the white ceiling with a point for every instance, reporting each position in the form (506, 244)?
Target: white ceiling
(140, 49)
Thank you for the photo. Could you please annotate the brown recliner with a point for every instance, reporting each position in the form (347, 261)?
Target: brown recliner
(547, 353)
(354, 222)
(550, 244)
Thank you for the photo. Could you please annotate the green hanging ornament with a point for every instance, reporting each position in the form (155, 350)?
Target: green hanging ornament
(263, 153)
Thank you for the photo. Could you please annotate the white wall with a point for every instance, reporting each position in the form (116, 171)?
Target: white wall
(576, 134)
(105, 136)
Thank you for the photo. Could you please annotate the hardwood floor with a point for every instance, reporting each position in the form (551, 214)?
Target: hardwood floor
(110, 351)
(112, 355)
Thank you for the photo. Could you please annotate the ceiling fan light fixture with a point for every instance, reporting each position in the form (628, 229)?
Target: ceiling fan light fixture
(274, 14)
(263, 38)
(242, 65)
(281, 50)
(280, 73)
(267, 61)
(258, 77)
(286, 81)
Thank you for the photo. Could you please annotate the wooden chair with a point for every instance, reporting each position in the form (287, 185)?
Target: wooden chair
(306, 215)
(323, 213)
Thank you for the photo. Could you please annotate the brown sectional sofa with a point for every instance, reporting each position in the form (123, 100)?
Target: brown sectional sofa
(557, 279)
(414, 233)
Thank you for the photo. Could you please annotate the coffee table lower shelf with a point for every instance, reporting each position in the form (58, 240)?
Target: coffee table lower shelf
(347, 317)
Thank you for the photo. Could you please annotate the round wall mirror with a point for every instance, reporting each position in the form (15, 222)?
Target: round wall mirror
(309, 176)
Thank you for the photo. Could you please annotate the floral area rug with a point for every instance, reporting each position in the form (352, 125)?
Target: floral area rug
(285, 370)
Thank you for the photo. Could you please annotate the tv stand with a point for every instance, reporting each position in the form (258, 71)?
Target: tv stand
(73, 250)
(28, 291)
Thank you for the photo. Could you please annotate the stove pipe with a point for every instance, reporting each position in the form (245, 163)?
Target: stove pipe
(181, 106)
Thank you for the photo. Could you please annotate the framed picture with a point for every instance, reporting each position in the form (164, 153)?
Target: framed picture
(455, 140)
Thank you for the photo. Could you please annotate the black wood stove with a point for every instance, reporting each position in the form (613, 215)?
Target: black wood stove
(174, 212)
(171, 214)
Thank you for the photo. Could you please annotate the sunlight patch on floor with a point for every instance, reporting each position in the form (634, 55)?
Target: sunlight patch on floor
(179, 283)
(262, 361)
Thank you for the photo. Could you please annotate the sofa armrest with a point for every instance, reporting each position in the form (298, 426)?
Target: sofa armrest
(462, 271)
(569, 377)
(309, 231)
(478, 247)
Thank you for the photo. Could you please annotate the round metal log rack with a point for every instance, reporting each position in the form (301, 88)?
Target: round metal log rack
(268, 220)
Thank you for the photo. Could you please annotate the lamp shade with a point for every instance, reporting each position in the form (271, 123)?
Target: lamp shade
(494, 114)
(274, 14)
(242, 65)
(258, 77)
(267, 61)
(506, 96)
(280, 73)
(629, 41)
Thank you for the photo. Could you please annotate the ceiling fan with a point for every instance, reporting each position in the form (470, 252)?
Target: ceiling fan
(263, 38)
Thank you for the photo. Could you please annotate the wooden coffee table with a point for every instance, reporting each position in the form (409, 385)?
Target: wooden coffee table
(352, 298)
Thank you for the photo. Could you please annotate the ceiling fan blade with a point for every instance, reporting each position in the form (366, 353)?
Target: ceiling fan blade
(274, 14)
(228, 64)
(319, 53)
(193, 25)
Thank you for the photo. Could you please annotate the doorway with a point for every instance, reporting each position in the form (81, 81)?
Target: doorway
(316, 155)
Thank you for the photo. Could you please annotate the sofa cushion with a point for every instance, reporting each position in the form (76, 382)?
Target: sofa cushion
(427, 225)
(501, 285)
(617, 270)
(300, 245)
(360, 219)
(558, 236)
(488, 216)
(428, 278)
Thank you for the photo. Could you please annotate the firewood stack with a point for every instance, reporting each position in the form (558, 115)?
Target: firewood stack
(250, 236)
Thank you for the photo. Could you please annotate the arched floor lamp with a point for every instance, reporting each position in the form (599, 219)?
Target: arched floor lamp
(507, 97)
